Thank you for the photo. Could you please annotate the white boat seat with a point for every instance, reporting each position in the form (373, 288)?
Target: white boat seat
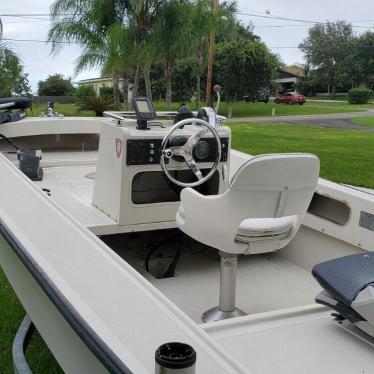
(260, 229)
(260, 212)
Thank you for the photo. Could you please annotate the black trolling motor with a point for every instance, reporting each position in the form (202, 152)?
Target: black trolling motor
(13, 109)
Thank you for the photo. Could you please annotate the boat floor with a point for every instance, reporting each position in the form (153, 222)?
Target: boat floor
(284, 331)
(264, 282)
(306, 340)
(71, 187)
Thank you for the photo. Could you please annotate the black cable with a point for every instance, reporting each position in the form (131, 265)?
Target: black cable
(9, 141)
(170, 272)
(156, 247)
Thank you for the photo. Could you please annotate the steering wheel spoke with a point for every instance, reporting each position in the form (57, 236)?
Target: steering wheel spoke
(174, 151)
(194, 139)
(194, 168)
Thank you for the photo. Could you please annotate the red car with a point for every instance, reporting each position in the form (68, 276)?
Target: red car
(290, 98)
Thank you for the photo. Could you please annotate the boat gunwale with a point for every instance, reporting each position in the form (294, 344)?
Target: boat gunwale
(93, 342)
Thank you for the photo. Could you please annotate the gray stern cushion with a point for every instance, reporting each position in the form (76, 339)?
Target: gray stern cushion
(345, 277)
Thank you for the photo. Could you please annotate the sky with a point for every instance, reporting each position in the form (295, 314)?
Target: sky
(281, 36)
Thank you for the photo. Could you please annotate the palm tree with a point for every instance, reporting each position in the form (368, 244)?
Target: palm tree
(113, 54)
(97, 26)
(12, 78)
(172, 36)
(143, 14)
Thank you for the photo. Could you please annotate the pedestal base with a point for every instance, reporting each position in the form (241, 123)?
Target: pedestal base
(216, 314)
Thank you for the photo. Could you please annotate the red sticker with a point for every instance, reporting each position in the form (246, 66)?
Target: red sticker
(118, 147)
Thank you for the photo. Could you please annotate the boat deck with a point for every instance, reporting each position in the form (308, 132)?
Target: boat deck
(264, 282)
(306, 340)
(72, 188)
(283, 321)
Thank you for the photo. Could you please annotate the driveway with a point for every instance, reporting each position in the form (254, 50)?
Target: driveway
(336, 120)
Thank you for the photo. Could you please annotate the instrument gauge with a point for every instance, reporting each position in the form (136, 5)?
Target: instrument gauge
(202, 150)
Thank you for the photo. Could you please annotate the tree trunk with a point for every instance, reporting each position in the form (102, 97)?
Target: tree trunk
(211, 57)
(136, 82)
(199, 67)
(333, 90)
(115, 90)
(168, 83)
(147, 81)
(125, 77)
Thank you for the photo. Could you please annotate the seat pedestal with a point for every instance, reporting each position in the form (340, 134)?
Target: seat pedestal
(226, 308)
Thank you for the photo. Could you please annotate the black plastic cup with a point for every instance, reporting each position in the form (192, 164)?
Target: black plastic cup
(178, 358)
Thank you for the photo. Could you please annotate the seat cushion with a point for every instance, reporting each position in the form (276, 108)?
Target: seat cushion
(346, 276)
(259, 229)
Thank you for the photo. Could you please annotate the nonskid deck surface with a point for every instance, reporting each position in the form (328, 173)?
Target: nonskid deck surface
(62, 158)
(264, 282)
(305, 340)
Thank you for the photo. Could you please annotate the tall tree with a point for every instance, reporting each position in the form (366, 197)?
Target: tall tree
(172, 35)
(244, 66)
(328, 49)
(364, 59)
(13, 80)
(90, 23)
(205, 23)
(55, 85)
(114, 54)
(143, 15)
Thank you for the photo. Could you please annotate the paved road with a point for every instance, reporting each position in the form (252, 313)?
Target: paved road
(336, 120)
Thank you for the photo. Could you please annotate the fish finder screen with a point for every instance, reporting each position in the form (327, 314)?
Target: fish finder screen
(143, 106)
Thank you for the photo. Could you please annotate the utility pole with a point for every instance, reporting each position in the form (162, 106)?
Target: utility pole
(211, 56)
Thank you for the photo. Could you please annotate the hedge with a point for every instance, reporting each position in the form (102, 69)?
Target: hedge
(359, 95)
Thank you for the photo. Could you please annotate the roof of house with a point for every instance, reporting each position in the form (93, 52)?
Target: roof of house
(293, 70)
(96, 80)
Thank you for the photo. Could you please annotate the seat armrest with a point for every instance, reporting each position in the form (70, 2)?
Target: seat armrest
(202, 219)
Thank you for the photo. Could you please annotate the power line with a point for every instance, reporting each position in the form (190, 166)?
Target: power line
(37, 41)
(31, 21)
(32, 15)
(302, 25)
(298, 20)
(63, 42)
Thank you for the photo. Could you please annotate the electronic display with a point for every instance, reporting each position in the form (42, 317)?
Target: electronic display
(143, 106)
(144, 112)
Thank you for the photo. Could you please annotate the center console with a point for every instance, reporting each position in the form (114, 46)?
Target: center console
(130, 186)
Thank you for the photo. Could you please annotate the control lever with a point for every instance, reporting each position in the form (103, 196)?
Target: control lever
(217, 89)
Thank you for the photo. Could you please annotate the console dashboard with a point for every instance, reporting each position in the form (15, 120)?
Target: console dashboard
(147, 151)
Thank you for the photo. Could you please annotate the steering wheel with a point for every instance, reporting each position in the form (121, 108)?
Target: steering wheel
(186, 151)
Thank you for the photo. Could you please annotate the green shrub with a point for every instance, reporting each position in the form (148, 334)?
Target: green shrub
(108, 91)
(359, 95)
(84, 91)
(98, 104)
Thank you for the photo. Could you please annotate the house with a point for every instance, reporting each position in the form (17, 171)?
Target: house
(287, 78)
(98, 83)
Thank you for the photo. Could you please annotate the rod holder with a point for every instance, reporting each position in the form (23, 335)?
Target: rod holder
(175, 358)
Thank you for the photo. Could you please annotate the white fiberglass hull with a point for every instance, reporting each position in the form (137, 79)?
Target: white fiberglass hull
(98, 314)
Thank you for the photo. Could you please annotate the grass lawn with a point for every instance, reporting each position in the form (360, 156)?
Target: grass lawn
(239, 109)
(11, 315)
(69, 110)
(338, 98)
(364, 121)
(346, 155)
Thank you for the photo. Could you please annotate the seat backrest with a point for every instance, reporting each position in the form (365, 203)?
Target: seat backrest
(266, 186)
(275, 185)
